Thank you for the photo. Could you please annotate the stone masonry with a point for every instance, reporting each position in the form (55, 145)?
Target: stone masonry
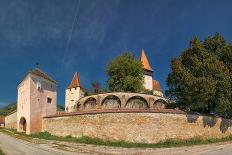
(141, 126)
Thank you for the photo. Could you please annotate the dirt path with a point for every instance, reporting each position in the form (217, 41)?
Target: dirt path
(13, 146)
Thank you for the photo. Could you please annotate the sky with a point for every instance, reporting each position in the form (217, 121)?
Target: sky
(65, 36)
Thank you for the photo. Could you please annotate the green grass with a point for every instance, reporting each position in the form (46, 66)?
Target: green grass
(1, 152)
(97, 141)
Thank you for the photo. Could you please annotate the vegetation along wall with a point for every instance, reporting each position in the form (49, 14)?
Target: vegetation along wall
(145, 127)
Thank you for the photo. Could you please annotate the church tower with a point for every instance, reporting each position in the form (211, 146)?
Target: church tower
(36, 98)
(148, 72)
(149, 82)
(73, 93)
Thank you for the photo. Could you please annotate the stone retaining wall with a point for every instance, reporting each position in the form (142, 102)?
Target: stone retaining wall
(11, 120)
(137, 126)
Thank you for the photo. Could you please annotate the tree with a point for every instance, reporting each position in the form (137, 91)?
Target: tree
(125, 74)
(96, 87)
(201, 78)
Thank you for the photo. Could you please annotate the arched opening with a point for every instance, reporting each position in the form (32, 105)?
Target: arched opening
(111, 102)
(22, 124)
(137, 102)
(78, 106)
(90, 103)
(159, 104)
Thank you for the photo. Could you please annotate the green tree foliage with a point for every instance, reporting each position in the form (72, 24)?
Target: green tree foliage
(125, 74)
(201, 78)
(13, 107)
(8, 109)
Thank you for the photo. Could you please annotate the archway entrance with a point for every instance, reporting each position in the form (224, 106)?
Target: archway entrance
(22, 124)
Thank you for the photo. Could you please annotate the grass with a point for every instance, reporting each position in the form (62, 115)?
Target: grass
(97, 141)
(1, 152)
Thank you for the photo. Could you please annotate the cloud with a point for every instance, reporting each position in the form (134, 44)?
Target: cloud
(89, 33)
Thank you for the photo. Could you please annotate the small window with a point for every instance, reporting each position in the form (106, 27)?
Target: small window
(49, 100)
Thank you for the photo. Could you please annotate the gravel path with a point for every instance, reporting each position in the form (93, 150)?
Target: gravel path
(13, 146)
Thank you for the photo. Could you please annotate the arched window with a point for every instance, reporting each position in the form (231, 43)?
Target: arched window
(136, 102)
(111, 102)
(90, 103)
(159, 104)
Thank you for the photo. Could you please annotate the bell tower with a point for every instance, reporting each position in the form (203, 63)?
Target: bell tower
(73, 93)
(148, 72)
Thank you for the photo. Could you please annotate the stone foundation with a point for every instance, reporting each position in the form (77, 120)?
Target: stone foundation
(144, 126)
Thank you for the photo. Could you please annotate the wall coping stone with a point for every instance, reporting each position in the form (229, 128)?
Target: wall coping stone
(92, 112)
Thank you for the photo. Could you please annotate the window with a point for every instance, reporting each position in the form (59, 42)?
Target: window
(49, 100)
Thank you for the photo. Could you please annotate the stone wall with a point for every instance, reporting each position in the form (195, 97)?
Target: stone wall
(11, 121)
(137, 126)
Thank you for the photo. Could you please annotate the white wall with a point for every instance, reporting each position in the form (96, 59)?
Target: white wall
(148, 82)
(71, 97)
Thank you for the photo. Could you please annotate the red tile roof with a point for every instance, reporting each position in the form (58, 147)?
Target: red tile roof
(2, 119)
(145, 62)
(156, 85)
(75, 82)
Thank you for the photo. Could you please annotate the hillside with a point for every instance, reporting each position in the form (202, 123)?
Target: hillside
(13, 106)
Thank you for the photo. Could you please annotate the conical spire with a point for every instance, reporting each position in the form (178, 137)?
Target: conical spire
(145, 62)
(75, 82)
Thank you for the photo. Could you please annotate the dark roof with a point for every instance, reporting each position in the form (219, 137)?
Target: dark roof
(41, 74)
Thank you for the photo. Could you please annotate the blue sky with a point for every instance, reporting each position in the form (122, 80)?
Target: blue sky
(34, 31)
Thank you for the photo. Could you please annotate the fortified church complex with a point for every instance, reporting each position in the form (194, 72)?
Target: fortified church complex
(75, 92)
(37, 98)
(132, 117)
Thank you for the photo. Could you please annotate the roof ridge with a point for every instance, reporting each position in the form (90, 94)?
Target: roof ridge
(37, 71)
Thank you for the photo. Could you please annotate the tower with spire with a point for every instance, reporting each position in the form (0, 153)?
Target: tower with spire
(73, 93)
(149, 82)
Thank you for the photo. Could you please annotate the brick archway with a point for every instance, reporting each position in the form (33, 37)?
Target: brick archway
(90, 103)
(22, 124)
(111, 102)
(136, 102)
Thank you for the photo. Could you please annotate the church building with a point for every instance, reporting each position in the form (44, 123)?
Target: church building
(149, 82)
(74, 92)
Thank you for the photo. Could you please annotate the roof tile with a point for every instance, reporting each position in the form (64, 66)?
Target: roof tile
(145, 62)
(75, 82)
